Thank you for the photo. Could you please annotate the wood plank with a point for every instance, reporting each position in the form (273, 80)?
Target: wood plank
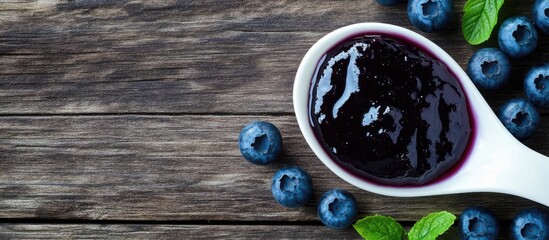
(166, 231)
(107, 56)
(138, 231)
(139, 167)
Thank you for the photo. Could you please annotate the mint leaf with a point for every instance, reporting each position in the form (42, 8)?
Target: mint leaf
(479, 19)
(379, 228)
(431, 226)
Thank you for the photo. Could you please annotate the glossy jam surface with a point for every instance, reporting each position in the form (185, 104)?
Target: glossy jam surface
(387, 111)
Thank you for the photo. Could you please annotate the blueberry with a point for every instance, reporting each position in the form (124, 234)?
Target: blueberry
(478, 223)
(520, 117)
(540, 14)
(517, 36)
(260, 142)
(489, 68)
(292, 187)
(530, 224)
(389, 2)
(430, 15)
(337, 209)
(536, 84)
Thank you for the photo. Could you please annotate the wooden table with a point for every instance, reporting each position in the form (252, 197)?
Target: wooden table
(120, 119)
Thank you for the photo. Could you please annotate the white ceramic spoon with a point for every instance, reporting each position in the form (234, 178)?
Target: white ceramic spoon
(497, 162)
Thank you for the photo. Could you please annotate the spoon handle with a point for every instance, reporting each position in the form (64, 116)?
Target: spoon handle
(502, 164)
(531, 175)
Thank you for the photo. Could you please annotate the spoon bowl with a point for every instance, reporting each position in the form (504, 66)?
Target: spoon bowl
(495, 160)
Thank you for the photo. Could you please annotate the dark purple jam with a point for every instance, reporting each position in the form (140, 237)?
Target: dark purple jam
(388, 111)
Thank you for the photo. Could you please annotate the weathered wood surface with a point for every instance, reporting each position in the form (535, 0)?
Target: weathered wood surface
(180, 231)
(138, 231)
(113, 112)
(110, 56)
(173, 167)
(186, 231)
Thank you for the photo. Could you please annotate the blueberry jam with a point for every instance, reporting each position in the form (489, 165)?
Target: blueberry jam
(388, 111)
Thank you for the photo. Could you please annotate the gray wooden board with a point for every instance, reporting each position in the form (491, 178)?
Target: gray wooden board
(164, 231)
(175, 167)
(187, 231)
(130, 111)
(110, 56)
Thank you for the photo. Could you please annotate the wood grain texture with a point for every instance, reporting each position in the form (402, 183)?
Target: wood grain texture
(110, 56)
(142, 231)
(126, 111)
(178, 168)
(186, 231)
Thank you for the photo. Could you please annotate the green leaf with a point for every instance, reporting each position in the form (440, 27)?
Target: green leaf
(479, 19)
(431, 226)
(379, 228)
